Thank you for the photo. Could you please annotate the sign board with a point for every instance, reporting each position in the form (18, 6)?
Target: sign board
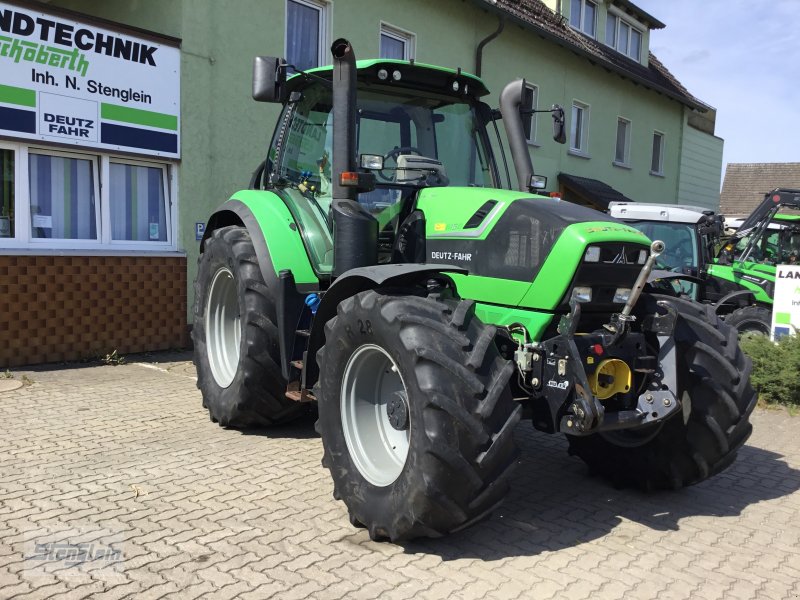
(76, 83)
(786, 309)
(199, 231)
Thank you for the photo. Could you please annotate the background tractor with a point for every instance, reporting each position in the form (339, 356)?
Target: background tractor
(745, 268)
(736, 276)
(691, 237)
(376, 267)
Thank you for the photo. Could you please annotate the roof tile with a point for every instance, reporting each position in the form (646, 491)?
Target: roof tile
(745, 184)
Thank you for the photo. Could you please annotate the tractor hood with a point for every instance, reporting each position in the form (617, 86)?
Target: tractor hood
(524, 250)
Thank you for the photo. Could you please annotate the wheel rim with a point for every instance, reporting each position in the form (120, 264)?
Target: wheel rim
(370, 387)
(223, 327)
(752, 328)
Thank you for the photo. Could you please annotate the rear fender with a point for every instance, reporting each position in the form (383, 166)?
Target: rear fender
(275, 235)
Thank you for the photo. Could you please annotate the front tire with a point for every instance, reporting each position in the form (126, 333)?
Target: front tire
(235, 338)
(415, 414)
(700, 441)
(751, 320)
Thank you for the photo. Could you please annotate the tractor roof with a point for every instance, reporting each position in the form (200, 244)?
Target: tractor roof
(792, 218)
(671, 213)
(414, 75)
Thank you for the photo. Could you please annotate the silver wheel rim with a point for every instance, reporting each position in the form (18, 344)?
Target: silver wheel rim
(371, 380)
(223, 327)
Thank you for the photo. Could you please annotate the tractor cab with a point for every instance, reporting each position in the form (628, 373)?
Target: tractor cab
(416, 127)
(691, 235)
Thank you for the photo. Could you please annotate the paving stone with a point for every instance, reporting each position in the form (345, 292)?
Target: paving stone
(199, 511)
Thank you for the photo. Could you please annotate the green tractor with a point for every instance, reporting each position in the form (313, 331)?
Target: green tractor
(743, 276)
(377, 268)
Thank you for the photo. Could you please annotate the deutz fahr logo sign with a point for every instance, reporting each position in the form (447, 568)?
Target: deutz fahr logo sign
(74, 82)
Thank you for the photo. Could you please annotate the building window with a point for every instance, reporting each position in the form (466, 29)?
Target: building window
(306, 33)
(623, 37)
(396, 43)
(63, 196)
(657, 160)
(622, 150)
(51, 199)
(583, 16)
(579, 128)
(530, 99)
(137, 195)
(8, 179)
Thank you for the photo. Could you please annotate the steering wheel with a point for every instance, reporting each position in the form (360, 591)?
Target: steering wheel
(393, 154)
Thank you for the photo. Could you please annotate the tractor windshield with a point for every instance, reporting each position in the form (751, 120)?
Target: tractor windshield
(680, 249)
(425, 140)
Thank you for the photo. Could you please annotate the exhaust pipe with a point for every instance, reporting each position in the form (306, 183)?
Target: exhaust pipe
(344, 117)
(510, 102)
(355, 231)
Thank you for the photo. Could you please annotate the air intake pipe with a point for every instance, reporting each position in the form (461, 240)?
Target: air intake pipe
(510, 102)
(355, 231)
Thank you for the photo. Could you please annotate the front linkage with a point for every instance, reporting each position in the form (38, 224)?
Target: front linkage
(567, 399)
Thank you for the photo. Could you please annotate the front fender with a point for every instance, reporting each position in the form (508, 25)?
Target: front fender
(359, 280)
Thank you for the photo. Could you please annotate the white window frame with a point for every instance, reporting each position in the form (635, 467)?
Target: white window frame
(583, 150)
(619, 18)
(324, 9)
(582, 17)
(660, 171)
(409, 39)
(14, 241)
(62, 242)
(530, 135)
(626, 160)
(24, 240)
(169, 209)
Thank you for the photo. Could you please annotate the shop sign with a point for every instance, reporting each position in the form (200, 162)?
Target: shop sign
(786, 310)
(76, 83)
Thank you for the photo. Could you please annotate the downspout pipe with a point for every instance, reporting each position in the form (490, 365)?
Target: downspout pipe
(501, 24)
(355, 231)
(510, 102)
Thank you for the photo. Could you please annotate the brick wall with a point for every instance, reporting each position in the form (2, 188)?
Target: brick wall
(63, 308)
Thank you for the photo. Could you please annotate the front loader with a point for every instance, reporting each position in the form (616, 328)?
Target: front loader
(377, 268)
(743, 275)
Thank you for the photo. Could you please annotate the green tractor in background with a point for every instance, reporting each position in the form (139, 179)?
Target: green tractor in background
(743, 276)
(377, 268)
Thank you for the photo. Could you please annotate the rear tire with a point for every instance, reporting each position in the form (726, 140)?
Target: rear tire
(235, 338)
(713, 385)
(751, 320)
(448, 466)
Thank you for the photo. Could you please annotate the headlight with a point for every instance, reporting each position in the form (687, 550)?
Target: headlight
(582, 294)
(622, 295)
(642, 257)
(592, 254)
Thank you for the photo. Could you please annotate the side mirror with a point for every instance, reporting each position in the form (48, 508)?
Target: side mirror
(269, 75)
(559, 128)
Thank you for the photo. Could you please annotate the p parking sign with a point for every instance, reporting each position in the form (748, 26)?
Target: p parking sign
(786, 310)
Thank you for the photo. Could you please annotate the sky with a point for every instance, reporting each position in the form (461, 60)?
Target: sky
(743, 58)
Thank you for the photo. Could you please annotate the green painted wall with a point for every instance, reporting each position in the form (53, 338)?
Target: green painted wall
(225, 134)
(700, 170)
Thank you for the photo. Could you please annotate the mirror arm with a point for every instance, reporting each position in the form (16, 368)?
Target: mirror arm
(309, 76)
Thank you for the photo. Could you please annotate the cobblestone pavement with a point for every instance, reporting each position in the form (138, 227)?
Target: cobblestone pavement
(122, 464)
